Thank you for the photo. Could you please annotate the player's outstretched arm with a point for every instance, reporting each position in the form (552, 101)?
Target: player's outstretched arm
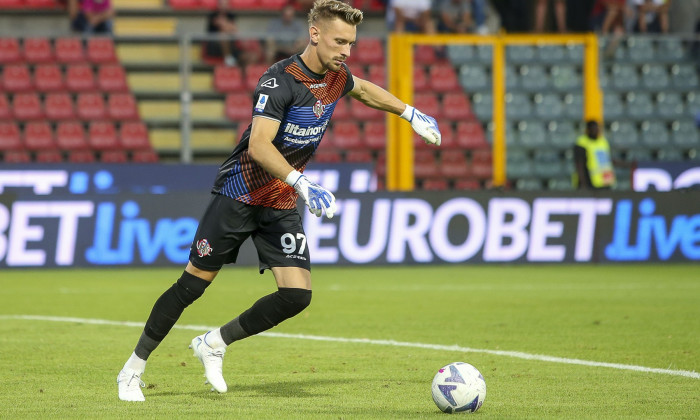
(265, 154)
(374, 96)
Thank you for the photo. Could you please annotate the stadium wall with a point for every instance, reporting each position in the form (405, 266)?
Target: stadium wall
(146, 215)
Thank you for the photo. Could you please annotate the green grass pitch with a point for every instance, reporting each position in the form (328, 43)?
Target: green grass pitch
(639, 325)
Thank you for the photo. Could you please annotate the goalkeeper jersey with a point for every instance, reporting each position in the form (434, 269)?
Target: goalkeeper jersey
(303, 102)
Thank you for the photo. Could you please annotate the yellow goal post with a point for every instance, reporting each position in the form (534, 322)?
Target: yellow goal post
(399, 151)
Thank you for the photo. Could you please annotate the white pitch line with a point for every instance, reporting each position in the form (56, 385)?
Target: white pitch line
(455, 348)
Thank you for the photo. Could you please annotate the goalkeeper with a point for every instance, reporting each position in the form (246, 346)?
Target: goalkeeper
(256, 190)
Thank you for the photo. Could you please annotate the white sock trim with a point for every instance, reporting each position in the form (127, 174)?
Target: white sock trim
(135, 363)
(213, 339)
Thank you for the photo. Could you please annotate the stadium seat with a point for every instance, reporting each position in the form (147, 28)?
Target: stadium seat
(81, 156)
(359, 156)
(474, 78)
(16, 156)
(427, 103)
(80, 78)
(434, 184)
(59, 106)
(551, 54)
(271, 4)
(112, 78)
(39, 136)
(549, 106)
(640, 106)
(114, 156)
(37, 50)
(518, 106)
(565, 78)
(16, 78)
(45, 4)
(528, 184)
(532, 134)
(669, 155)
(669, 49)
(638, 155)
(9, 51)
(346, 135)
(70, 136)
(239, 106)
(669, 105)
(484, 54)
(548, 164)
(369, 51)
(655, 77)
(562, 134)
(442, 78)
(420, 78)
(253, 72)
(460, 54)
(5, 112)
(534, 78)
(122, 106)
(425, 55)
(69, 50)
(144, 156)
(685, 77)
(103, 136)
(185, 4)
(327, 155)
(455, 106)
(448, 137)
(518, 165)
(624, 77)
(482, 105)
(376, 73)
(134, 135)
(100, 50)
(48, 156)
(48, 78)
(520, 54)
(10, 138)
(613, 107)
(654, 135)
(685, 134)
(512, 79)
(27, 106)
(425, 164)
(573, 105)
(640, 49)
(623, 135)
(362, 112)
(91, 106)
(467, 184)
(341, 110)
(454, 165)
(560, 184)
(228, 79)
(374, 135)
(470, 135)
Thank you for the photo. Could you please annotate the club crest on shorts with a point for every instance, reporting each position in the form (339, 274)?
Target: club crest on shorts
(203, 248)
(319, 108)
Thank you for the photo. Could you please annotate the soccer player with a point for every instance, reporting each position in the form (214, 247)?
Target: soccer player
(256, 191)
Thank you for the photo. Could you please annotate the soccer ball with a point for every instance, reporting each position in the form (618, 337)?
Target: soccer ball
(459, 387)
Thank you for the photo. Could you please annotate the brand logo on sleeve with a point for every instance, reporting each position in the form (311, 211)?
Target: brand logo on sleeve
(262, 101)
(270, 83)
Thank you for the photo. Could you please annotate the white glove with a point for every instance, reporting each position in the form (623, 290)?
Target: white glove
(316, 197)
(424, 125)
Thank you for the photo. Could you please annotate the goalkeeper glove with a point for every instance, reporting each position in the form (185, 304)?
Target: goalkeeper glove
(316, 197)
(424, 125)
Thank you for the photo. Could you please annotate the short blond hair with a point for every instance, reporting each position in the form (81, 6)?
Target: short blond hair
(334, 9)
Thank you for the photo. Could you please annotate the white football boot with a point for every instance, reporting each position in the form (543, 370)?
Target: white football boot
(212, 359)
(130, 384)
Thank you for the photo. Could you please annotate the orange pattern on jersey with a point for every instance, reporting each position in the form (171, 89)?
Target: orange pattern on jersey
(334, 82)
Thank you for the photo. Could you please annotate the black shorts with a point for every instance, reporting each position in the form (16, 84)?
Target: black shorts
(278, 235)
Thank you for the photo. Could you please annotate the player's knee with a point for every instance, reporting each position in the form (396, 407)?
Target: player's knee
(190, 288)
(294, 300)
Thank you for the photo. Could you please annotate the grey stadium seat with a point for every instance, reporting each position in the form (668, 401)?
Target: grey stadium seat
(685, 76)
(518, 164)
(562, 134)
(552, 54)
(670, 50)
(669, 105)
(548, 164)
(482, 105)
(685, 134)
(655, 77)
(534, 78)
(532, 134)
(640, 106)
(573, 105)
(654, 134)
(640, 49)
(566, 78)
(518, 106)
(461, 54)
(520, 54)
(613, 106)
(549, 106)
(623, 135)
(474, 78)
(624, 77)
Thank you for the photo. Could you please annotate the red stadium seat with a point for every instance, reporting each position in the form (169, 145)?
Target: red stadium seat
(454, 165)
(39, 136)
(9, 51)
(346, 135)
(27, 106)
(59, 106)
(48, 156)
(374, 135)
(37, 50)
(435, 185)
(456, 106)
(10, 137)
(103, 136)
(48, 78)
(185, 4)
(243, 4)
(112, 78)
(91, 106)
(428, 103)
(70, 136)
(45, 4)
(81, 156)
(11, 4)
(482, 166)
(420, 78)
(134, 135)
(470, 135)
(341, 110)
(359, 156)
(144, 156)
(327, 155)
(467, 184)
(362, 112)
(424, 54)
(253, 73)
(122, 106)
(447, 134)
(16, 78)
(5, 112)
(369, 51)
(228, 79)
(272, 4)
(80, 78)
(101, 50)
(425, 164)
(239, 106)
(16, 156)
(69, 50)
(443, 78)
(114, 156)
(377, 74)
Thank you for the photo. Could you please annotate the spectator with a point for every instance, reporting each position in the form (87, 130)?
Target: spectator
(91, 16)
(541, 15)
(592, 160)
(578, 15)
(652, 15)
(223, 22)
(511, 13)
(411, 16)
(287, 35)
(462, 16)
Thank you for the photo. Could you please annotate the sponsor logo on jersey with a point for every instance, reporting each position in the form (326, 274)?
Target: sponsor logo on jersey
(318, 85)
(319, 108)
(262, 101)
(270, 83)
(203, 248)
(295, 130)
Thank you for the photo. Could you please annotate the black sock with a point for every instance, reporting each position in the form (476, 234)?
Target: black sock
(267, 312)
(167, 310)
